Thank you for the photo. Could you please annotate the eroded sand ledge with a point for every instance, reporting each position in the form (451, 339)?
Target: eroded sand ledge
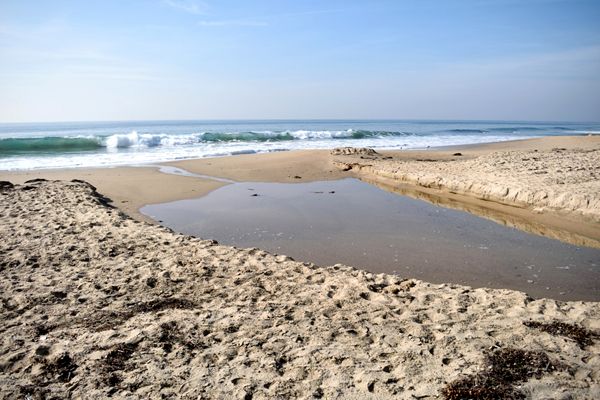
(561, 180)
(95, 303)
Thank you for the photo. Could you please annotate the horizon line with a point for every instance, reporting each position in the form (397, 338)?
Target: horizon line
(302, 120)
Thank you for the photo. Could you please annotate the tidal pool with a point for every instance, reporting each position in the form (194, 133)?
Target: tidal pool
(355, 223)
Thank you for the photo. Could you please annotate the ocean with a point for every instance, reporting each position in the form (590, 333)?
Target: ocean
(26, 146)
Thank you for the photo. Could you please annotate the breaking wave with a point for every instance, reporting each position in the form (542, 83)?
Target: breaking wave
(16, 146)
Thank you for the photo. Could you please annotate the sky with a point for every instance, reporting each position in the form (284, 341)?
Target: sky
(536, 60)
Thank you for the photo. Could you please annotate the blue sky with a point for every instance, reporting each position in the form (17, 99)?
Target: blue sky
(192, 59)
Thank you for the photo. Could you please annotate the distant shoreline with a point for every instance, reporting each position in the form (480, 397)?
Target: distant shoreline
(113, 144)
(133, 187)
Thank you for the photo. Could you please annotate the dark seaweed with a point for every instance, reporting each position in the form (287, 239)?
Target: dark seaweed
(503, 369)
(580, 335)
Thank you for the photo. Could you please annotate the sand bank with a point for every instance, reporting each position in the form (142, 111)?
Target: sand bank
(563, 180)
(96, 304)
(129, 188)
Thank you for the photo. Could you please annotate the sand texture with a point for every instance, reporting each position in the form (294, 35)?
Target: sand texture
(95, 304)
(560, 180)
(130, 188)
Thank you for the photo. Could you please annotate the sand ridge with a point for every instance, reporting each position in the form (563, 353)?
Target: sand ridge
(95, 303)
(559, 180)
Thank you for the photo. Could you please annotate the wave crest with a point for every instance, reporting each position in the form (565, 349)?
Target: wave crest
(16, 146)
(133, 139)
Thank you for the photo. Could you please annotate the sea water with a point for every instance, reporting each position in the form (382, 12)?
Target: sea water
(25, 146)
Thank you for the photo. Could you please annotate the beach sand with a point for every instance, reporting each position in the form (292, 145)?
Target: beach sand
(133, 187)
(564, 180)
(433, 175)
(97, 304)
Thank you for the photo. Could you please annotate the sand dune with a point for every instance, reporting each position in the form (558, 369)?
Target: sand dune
(94, 304)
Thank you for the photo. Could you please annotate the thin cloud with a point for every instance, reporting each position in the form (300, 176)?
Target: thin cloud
(262, 20)
(232, 22)
(310, 12)
(189, 6)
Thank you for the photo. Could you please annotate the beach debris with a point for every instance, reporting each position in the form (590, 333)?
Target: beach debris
(36, 180)
(42, 351)
(457, 154)
(352, 151)
(62, 369)
(580, 335)
(6, 185)
(115, 361)
(297, 177)
(503, 369)
(116, 358)
(151, 282)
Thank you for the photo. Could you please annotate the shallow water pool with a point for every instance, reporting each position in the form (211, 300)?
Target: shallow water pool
(358, 224)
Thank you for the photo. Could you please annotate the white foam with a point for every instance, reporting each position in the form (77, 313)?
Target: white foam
(134, 139)
(121, 141)
(305, 135)
(134, 148)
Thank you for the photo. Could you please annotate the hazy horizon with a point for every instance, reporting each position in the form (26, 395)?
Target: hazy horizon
(177, 60)
(308, 120)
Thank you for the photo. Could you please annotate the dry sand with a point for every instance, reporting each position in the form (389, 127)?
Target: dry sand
(131, 188)
(95, 304)
(561, 179)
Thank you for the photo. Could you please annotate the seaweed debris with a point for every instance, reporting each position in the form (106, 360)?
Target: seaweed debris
(115, 361)
(62, 369)
(503, 369)
(581, 336)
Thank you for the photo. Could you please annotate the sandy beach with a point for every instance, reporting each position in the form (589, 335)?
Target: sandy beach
(96, 303)
(432, 175)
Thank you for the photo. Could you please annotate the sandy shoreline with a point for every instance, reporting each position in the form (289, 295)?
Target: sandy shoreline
(96, 304)
(563, 180)
(133, 187)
